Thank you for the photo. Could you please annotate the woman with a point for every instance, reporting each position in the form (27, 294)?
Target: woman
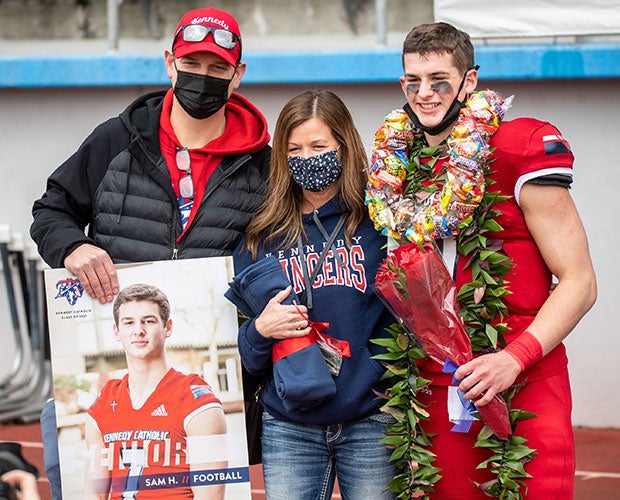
(314, 212)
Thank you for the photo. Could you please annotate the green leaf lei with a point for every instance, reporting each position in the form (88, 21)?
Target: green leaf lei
(482, 309)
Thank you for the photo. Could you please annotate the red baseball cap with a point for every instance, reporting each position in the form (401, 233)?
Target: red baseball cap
(213, 18)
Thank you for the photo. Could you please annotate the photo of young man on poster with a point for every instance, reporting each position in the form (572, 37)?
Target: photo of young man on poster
(166, 420)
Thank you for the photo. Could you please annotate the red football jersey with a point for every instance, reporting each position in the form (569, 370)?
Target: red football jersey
(525, 149)
(145, 448)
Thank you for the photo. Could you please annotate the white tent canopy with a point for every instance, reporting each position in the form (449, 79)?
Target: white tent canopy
(531, 18)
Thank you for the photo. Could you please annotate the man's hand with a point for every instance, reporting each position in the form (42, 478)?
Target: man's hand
(484, 377)
(24, 482)
(95, 270)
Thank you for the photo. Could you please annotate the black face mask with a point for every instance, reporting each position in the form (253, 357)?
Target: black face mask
(448, 119)
(201, 95)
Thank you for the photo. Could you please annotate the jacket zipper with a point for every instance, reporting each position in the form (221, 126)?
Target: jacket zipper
(233, 168)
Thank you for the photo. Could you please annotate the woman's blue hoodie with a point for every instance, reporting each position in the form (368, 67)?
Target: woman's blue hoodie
(342, 297)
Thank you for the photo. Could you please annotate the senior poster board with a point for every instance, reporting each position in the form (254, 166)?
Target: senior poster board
(203, 340)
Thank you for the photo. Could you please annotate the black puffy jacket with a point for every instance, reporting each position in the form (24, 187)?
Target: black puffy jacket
(117, 184)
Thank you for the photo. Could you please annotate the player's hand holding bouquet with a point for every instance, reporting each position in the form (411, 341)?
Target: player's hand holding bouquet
(416, 286)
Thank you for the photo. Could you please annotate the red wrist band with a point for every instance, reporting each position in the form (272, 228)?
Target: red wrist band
(525, 349)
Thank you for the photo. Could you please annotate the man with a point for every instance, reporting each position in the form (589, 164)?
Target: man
(542, 235)
(137, 429)
(179, 174)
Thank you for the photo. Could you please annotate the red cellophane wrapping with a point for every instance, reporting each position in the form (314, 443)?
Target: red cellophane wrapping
(416, 286)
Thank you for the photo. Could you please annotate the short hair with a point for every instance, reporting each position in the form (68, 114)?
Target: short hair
(440, 38)
(141, 292)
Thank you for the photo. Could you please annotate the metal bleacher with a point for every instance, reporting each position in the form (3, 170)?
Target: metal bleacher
(25, 367)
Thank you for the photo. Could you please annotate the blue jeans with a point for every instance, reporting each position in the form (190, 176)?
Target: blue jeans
(302, 461)
(51, 461)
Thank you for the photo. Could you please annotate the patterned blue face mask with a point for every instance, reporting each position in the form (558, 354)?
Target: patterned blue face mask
(315, 173)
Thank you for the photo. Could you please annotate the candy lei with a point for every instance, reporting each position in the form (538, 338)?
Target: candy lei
(421, 213)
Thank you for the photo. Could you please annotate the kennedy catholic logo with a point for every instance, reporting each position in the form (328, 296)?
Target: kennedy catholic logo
(69, 288)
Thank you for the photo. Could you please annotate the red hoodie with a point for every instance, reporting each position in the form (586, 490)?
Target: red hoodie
(246, 132)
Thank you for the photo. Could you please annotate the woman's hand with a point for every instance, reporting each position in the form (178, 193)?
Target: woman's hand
(279, 321)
